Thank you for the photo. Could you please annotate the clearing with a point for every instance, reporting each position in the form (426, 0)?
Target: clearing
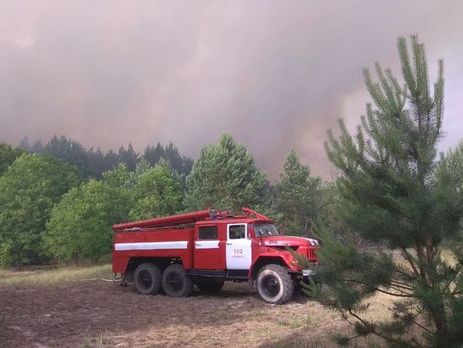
(96, 313)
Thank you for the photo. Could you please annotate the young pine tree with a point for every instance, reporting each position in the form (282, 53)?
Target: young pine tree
(393, 189)
(297, 197)
(225, 176)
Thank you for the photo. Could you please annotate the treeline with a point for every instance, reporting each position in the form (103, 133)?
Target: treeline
(60, 199)
(93, 163)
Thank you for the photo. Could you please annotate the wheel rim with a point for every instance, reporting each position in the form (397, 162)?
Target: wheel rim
(271, 285)
(146, 280)
(174, 281)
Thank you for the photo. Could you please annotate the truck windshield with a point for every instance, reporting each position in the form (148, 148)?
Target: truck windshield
(262, 230)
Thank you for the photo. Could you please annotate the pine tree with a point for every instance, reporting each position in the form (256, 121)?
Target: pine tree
(393, 189)
(181, 164)
(297, 197)
(96, 162)
(224, 177)
(129, 156)
(110, 160)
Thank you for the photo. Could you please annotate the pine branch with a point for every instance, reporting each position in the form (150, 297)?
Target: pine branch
(409, 258)
(401, 285)
(373, 330)
(404, 273)
(421, 326)
(404, 294)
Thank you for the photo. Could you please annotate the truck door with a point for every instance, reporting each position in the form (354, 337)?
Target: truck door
(207, 253)
(238, 250)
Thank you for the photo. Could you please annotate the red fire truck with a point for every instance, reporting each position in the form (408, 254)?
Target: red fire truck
(207, 248)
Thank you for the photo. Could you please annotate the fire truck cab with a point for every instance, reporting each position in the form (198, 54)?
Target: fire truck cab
(207, 248)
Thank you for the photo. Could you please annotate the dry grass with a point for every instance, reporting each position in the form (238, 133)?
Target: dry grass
(101, 314)
(54, 276)
(231, 322)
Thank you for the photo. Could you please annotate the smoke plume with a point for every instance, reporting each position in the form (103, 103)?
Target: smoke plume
(274, 74)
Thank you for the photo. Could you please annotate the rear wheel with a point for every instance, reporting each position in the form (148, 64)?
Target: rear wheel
(147, 279)
(210, 286)
(175, 282)
(274, 284)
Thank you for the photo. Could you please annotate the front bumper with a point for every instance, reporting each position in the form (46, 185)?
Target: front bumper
(308, 273)
(309, 276)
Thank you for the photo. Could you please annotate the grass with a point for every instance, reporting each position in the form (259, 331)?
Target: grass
(53, 276)
(95, 342)
(298, 322)
(293, 325)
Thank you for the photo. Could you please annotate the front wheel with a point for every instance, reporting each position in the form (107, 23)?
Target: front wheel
(274, 284)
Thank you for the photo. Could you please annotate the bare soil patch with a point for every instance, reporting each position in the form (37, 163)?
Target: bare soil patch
(98, 314)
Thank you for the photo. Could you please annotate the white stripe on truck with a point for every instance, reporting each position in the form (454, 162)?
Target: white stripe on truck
(207, 244)
(151, 245)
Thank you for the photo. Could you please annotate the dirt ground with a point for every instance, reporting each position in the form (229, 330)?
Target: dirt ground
(104, 314)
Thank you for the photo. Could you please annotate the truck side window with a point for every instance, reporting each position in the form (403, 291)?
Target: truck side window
(237, 232)
(207, 233)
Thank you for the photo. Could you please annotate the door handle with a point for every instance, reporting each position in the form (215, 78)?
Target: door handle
(229, 243)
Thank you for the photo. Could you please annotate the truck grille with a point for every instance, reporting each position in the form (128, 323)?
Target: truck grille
(311, 254)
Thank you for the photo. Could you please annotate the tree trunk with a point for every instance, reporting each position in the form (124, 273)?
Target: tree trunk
(438, 317)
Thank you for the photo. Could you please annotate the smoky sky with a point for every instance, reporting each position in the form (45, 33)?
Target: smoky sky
(274, 74)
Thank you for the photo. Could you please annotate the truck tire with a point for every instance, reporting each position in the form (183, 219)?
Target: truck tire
(274, 284)
(175, 282)
(210, 286)
(147, 279)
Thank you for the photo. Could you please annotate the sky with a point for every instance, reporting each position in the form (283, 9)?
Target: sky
(274, 74)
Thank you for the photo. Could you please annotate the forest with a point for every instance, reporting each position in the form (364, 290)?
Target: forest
(60, 199)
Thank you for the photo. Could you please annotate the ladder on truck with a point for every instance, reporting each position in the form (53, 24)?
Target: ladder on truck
(182, 219)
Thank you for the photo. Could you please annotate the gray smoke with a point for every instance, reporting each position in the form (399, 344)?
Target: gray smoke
(274, 74)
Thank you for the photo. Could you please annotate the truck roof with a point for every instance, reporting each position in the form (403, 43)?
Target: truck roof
(233, 220)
